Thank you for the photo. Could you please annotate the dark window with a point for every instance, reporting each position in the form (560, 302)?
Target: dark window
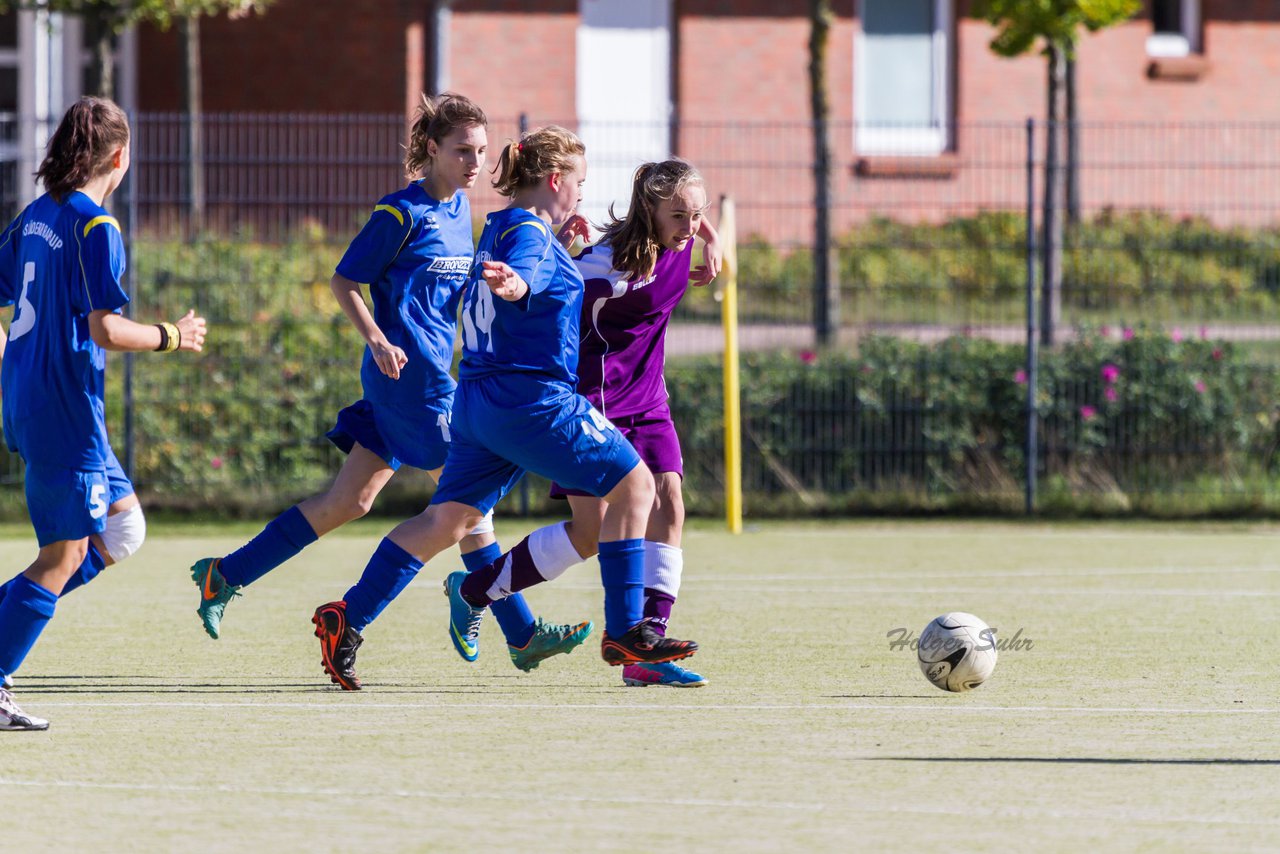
(1166, 16)
(9, 30)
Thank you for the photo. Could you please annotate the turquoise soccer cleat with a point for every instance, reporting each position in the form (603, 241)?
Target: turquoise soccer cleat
(549, 639)
(215, 593)
(667, 673)
(464, 620)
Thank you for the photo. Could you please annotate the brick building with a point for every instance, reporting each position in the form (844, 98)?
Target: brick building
(925, 117)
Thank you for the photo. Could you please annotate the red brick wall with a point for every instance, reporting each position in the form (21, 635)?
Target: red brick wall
(299, 56)
(515, 57)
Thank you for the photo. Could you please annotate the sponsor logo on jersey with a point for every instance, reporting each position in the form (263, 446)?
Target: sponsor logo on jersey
(457, 265)
(44, 231)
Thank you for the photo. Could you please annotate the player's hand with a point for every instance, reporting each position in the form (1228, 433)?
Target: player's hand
(576, 226)
(505, 282)
(712, 258)
(191, 330)
(388, 357)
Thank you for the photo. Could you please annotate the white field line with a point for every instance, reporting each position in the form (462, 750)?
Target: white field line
(944, 530)
(1127, 817)
(468, 796)
(787, 588)
(941, 707)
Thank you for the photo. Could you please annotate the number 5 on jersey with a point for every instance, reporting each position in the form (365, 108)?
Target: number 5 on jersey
(24, 316)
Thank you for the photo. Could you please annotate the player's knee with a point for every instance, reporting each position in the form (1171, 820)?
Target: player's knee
(125, 533)
(359, 506)
(669, 504)
(484, 527)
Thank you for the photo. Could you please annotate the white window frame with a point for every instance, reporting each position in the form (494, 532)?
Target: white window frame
(1182, 43)
(922, 142)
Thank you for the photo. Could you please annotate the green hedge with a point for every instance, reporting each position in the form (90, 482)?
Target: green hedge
(1137, 422)
(1145, 263)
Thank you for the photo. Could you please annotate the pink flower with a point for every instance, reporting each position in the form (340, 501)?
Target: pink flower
(808, 357)
(1127, 334)
(1110, 373)
(1200, 386)
(1110, 394)
(1087, 412)
(1020, 377)
(1105, 331)
(216, 462)
(1176, 334)
(1204, 332)
(1217, 354)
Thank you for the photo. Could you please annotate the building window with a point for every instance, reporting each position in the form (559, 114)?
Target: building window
(902, 77)
(1175, 28)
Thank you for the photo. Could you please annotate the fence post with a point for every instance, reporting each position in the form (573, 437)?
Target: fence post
(732, 397)
(130, 232)
(1033, 449)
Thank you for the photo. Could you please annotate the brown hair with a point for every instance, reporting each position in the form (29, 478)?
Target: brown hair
(81, 148)
(437, 118)
(539, 153)
(634, 239)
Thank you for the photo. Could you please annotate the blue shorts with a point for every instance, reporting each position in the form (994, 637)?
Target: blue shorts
(504, 427)
(653, 435)
(417, 436)
(71, 504)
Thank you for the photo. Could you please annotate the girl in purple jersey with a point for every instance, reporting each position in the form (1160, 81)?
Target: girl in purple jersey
(636, 275)
(634, 278)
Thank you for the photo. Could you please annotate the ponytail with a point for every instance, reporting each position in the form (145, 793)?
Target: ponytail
(539, 153)
(81, 149)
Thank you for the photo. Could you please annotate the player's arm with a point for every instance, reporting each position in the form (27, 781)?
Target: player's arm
(389, 357)
(712, 255)
(113, 331)
(521, 252)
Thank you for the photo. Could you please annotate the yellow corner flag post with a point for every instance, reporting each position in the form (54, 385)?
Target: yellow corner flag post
(732, 403)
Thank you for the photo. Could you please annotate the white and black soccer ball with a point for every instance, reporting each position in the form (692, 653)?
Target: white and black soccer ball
(957, 652)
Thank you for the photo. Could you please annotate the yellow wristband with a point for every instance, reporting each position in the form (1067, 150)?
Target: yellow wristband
(173, 337)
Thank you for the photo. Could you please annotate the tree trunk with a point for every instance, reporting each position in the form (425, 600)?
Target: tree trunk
(826, 285)
(101, 33)
(1051, 303)
(189, 29)
(1073, 147)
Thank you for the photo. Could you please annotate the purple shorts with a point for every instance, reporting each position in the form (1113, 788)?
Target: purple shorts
(653, 434)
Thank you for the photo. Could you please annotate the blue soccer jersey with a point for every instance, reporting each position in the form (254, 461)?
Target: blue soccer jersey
(414, 253)
(59, 263)
(538, 334)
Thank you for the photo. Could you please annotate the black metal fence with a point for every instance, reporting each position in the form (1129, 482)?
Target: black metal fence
(1170, 257)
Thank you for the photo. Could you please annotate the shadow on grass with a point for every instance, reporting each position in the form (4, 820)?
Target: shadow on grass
(118, 684)
(1071, 760)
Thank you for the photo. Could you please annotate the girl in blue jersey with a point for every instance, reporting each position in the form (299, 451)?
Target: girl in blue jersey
(516, 410)
(62, 261)
(414, 253)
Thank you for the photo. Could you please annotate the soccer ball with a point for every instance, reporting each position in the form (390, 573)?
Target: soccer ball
(957, 652)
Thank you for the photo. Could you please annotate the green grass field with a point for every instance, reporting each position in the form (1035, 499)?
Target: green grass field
(1145, 716)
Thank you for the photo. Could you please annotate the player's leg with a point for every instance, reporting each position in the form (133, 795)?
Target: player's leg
(123, 534)
(542, 556)
(66, 508)
(26, 610)
(361, 478)
(663, 567)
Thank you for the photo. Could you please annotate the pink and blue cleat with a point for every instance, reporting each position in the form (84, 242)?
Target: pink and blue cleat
(666, 673)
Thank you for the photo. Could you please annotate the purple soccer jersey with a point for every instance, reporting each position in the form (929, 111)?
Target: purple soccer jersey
(624, 330)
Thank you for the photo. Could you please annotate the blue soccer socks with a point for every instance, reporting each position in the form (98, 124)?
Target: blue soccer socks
(284, 536)
(24, 613)
(622, 573)
(388, 572)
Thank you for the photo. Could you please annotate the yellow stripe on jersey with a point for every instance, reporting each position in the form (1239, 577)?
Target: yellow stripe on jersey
(391, 209)
(99, 220)
(538, 225)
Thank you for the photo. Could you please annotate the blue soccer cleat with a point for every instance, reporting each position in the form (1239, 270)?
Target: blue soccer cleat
(464, 620)
(666, 673)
